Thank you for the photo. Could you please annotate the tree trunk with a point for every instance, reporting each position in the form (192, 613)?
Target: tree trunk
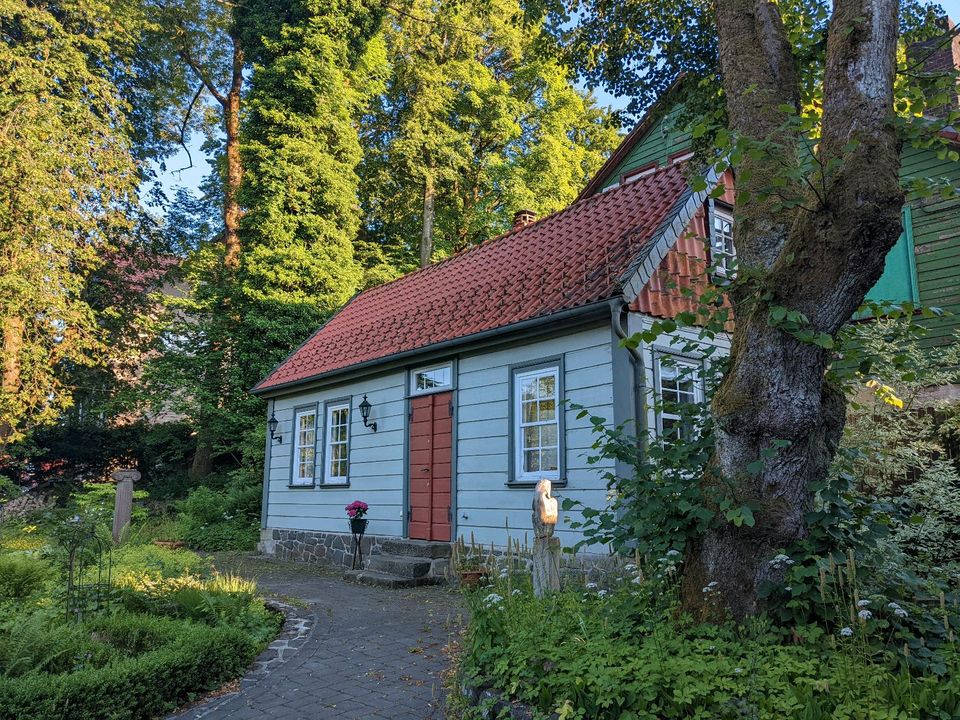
(202, 464)
(234, 169)
(426, 236)
(820, 262)
(13, 329)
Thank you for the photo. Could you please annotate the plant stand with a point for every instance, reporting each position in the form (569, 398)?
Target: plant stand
(357, 529)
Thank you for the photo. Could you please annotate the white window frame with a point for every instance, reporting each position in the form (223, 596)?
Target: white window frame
(328, 477)
(720, 256)
(676, 361)
(414, 390)
(299, 445)
(519, 375)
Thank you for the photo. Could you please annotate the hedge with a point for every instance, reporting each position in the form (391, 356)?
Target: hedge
(140, 687)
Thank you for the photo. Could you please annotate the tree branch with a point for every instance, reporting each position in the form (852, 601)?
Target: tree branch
(183, 127)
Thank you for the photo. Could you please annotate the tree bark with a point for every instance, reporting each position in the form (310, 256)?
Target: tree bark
(234, 169)
(820, 262)
(426, 236)
(13, 329)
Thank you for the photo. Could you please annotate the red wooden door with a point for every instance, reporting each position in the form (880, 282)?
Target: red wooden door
(431, 455)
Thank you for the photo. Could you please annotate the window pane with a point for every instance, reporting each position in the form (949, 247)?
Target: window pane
(528, 388)
(548, 435)
(548, 409)
(548, 459)
(531, 461)
(530, 412)
(547, 386)
(531, 437)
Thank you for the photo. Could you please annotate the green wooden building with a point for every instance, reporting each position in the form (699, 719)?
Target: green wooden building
(921, 268)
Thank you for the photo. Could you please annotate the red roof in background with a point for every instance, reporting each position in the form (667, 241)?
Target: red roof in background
(569, 259)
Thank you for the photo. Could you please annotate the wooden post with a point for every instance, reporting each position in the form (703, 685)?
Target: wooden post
(546, 548)
(123, 507)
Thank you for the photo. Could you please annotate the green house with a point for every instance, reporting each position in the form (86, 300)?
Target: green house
(921, 268)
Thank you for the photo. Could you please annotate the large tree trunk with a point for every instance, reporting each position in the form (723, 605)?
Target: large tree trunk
(820, 261)
(234, 169)
(426, 236)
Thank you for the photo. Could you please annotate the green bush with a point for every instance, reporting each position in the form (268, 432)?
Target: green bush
(43, 642)
(142, 562)
(22, 576)
(608, 656)
(221, 520)
(141, 687)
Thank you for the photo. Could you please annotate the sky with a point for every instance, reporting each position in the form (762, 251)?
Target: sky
(177, 175)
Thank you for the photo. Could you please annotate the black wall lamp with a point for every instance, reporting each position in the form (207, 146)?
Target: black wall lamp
(365, 414)
(272, 424)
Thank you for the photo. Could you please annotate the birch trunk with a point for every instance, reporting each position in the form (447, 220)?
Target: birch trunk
(426, 236)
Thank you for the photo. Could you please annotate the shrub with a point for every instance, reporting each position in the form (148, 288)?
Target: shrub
(43, 642)
(138, 564)
(22, 576)
(221, 520)
(141, 687)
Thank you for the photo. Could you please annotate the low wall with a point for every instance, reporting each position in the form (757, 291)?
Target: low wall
(325, 548)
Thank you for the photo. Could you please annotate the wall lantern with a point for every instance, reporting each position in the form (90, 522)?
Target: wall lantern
(365, 414)
(272, 424)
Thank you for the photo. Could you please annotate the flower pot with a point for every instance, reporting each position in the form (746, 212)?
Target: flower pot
(471, 578)
(358, 526)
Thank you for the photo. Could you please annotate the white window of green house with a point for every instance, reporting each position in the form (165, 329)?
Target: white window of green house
(431, 379)
(724, 253)
(304, 446)
(679, 383)
(336, 458)
(537, 424)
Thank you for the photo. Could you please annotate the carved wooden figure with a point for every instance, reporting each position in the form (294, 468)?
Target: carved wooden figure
(546, 548)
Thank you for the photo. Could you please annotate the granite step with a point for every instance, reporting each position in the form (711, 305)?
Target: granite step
(415, 548)
(382, 579)
(406, 567)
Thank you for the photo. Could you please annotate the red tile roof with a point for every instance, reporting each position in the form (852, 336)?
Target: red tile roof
(567, 260)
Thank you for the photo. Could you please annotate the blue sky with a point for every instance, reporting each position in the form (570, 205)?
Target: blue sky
(192, 177)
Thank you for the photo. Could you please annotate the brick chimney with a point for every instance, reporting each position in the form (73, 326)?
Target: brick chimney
(522, 218)
(939, 55)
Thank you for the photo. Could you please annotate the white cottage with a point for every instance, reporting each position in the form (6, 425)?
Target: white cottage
(469, 367)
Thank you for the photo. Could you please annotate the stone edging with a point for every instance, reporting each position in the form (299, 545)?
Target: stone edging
(298, 624)
(495, 704)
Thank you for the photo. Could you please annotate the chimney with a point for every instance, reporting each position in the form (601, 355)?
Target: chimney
(939, 56)
(522, 218)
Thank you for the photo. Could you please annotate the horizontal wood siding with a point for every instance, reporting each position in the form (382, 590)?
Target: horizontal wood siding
(376, 461)
(663, 140)
(487, 507)
(936, 239)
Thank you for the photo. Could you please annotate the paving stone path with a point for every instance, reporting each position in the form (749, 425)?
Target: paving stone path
(348, 651)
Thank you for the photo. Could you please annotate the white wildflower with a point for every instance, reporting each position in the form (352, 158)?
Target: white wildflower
(846, 632)
(781, 559)
(863, 603)
(864, 614)
(672, 553)
(711, 587)
(901, 613)
(637, 580)
(492, 599)
(738, 670)
(591, 586)
(629, 567)
(788, 588)
(602, 593)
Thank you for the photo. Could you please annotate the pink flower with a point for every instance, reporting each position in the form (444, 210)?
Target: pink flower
(357, 509)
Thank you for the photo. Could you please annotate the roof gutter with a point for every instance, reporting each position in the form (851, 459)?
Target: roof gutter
(619, 311)
(595, 310)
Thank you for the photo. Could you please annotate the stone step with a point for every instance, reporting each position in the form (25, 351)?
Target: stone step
(416, 548)
(382, 579)
(407, 567)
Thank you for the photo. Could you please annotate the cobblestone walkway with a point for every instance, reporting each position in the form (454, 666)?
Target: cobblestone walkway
(356, 652)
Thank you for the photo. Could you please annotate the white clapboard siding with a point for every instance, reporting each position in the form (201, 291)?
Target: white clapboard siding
(488, 508)
(376, 460)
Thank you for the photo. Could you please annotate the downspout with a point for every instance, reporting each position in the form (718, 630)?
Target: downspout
(619, 312)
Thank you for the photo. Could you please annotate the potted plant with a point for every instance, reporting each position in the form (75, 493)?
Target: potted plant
(470, 569)
(356, 511)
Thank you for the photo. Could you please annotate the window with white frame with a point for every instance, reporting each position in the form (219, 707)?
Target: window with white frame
(537, 424)
(304, 446)
(678, 383)
(722, 241)
(336, 458)
(431, 379)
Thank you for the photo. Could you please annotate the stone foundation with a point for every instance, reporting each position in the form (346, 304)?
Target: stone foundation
(324, 548)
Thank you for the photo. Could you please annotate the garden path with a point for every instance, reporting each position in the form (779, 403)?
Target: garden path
(369, 652)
